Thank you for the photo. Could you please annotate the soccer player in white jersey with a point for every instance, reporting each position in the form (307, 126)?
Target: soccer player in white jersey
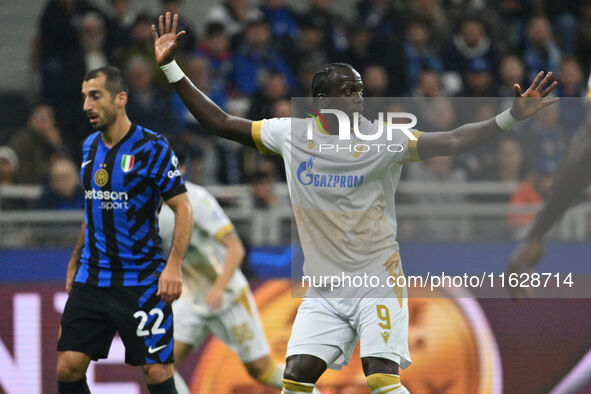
(216, 298)
(357, 234)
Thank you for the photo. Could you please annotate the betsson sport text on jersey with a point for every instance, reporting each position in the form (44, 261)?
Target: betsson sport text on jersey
(109, 200)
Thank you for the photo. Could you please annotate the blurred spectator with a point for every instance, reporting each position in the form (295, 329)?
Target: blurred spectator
(478, 79)
(190, 39)
(571, 83)
(512, 14)
(540, 51)
(63, 92)
(546, 139)
(141, 42)
(510, 163)
(146, 104)
(256, 58)
(531, 191)
(571, 86)
(261, 184)
(359, 52)
(197, 68)
(511, 71)
(471, 43)
(274, 89)
(281, 109)
(473, 164)
(433, 13)
(429, 85)
(376, 15)
(8, 166)
(509, 166)
(216, 48)
(305, 76)
(234, 15)
(438, 170)
(281, 18)
(58, 39)
(436, 114)
(93, 36)
(122, 16)
(562, 14)
(319, 14)
(230, 155)
(268, 165)
(38, 145)
(59, 24)
(375, 81)
(419, 54)
(309, 45)
(63, 190)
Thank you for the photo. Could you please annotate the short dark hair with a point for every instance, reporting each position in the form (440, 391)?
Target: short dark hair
(326, 76)
(114, 82)
(214, 29)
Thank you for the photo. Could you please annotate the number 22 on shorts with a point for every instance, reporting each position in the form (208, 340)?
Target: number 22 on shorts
(143, 316)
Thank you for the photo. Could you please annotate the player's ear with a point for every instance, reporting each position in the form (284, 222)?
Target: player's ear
(121, 99)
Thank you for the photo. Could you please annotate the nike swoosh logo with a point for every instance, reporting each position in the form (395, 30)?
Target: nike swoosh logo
(154, 350)
(85, 163)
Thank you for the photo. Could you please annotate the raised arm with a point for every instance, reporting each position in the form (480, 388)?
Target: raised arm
(472, 135)
(209, 115)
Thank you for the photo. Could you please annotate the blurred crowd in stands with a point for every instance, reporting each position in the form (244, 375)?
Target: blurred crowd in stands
(250, 57)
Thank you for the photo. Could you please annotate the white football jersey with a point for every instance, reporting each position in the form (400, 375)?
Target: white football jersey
(205, 257)
(342, 197)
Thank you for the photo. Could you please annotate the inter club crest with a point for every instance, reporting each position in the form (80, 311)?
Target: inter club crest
(127, 163)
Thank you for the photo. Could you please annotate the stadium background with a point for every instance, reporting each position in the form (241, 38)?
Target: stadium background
(451, 212)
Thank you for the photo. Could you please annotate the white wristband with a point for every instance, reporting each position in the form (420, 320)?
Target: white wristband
(172, 71)
(505, 120)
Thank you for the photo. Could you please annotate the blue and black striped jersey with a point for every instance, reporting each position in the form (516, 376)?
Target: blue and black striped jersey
(123, 187)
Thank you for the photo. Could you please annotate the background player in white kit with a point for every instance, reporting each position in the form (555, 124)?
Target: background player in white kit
(216, 298)
(336, 227)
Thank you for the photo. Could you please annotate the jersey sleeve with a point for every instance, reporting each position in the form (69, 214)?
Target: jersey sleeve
(210, 217)
(164, 170)
(269, 135)
(411, 152)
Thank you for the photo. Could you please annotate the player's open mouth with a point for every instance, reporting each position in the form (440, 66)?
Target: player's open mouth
(93, 118)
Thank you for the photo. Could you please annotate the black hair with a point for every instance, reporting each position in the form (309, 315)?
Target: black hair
(326, 76)
(114, 82)
(214, 29)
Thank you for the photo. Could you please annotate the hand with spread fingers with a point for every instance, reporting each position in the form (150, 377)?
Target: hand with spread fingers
(532, 100)
(166, 39)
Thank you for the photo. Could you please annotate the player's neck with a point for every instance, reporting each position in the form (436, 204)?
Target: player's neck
(116, 131)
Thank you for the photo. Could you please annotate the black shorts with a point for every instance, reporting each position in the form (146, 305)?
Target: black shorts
(93, 314)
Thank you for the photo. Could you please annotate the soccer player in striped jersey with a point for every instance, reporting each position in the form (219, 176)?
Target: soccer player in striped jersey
(346, 226)
(117, 277)
(216, 297)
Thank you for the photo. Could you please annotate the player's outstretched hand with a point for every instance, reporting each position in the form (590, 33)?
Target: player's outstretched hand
(170, 284)
(533, 99)
(524, 259)
(166, 39)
